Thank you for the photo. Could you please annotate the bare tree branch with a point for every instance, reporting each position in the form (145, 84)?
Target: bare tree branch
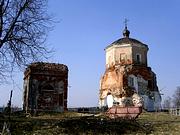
(24, 25)
(176, 98)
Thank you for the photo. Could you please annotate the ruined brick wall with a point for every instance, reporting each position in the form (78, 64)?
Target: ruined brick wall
(116, 81)
(45, 87)
(111, 81)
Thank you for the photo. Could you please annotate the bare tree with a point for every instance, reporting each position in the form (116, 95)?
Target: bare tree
(167, 103)
(24, 25)
(176, 98)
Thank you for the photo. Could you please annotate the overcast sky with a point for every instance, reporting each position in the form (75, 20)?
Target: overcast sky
(86, 27)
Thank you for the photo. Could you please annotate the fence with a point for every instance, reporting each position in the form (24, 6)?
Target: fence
(174, 111)
(92, 110)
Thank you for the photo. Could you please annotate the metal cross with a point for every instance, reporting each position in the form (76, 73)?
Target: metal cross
(125, 22)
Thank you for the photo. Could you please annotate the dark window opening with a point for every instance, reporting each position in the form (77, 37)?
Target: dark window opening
(138, 58)
(149, 84)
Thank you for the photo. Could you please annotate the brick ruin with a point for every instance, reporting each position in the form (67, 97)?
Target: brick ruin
(127, 72)
(45, 87)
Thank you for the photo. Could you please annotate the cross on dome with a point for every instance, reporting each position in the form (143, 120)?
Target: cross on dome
(126, 32)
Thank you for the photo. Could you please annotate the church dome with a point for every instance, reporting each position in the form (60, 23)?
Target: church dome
(126, 40)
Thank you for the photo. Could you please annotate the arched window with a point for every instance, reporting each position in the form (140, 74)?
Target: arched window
(138, 58)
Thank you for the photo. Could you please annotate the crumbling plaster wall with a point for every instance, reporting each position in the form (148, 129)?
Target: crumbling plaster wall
(116, 79)
(126, 54)
(115, 53)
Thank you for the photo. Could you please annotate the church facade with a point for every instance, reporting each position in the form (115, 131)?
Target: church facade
(127, 72)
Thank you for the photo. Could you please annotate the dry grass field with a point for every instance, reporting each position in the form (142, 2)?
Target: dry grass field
(70, 123)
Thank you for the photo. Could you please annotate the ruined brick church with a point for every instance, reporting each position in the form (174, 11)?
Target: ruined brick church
(45, 87)
(127, 71)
